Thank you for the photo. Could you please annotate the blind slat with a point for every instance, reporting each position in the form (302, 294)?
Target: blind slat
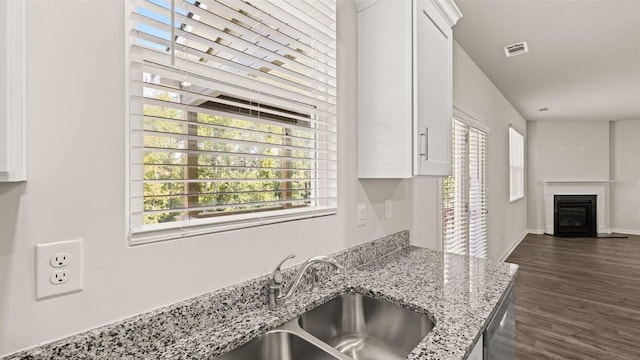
(138, 118)
(138, 151)
(228, 192)
(237, 205)
(183, 139)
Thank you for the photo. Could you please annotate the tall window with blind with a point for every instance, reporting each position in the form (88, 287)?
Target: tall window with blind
(232, 114)
(464, 195)
(516, 165)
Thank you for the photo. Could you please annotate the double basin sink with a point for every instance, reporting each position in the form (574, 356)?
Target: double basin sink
(351, 326)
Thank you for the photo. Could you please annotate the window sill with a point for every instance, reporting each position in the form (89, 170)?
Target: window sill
(197, 227)
(511, 201)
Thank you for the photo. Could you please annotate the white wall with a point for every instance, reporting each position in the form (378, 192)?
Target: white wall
(426, 212)
(563, 150)
(76, 164)
(476, 95)
(625, 170)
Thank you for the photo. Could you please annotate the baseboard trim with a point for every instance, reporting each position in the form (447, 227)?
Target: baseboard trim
(626, 231)
(536, 231)
(514, 245)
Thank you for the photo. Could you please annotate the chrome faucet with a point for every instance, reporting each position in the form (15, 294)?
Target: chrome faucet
(276, 282)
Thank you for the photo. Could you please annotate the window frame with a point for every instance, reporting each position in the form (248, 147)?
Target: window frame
(288, 174)
(516, 165)
(208, 224)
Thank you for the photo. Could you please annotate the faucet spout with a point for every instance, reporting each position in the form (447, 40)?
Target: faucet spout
(275, 285)
(303, 269)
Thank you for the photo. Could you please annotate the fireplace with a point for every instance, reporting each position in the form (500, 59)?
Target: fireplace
(574, 216)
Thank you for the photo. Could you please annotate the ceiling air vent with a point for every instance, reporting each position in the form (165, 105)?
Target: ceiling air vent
(516, 49)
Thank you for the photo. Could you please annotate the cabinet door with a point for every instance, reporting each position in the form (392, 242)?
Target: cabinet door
(3, 95)
(384, 90)
(476, 353)
(432, 93)
(13, 164)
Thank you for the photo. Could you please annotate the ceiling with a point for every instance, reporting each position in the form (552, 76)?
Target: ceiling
(583, 61)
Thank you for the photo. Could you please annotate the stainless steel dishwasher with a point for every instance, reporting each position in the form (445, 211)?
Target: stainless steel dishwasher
(500, 335)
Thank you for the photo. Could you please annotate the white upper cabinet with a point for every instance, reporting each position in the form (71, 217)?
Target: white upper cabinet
(404, 87)
(12, 125)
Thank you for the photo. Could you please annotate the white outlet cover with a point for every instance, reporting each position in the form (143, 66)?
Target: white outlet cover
(44, 269)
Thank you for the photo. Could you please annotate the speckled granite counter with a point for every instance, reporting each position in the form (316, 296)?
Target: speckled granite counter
(459, 293)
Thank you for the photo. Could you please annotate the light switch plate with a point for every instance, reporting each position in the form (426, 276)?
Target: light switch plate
(388, 209)
(59, 277)
(361, 217)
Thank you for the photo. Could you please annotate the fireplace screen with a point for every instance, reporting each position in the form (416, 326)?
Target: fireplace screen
(575, 215)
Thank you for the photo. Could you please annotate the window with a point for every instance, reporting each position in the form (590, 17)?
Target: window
(232, 114)
(516, 165)
(464, 195)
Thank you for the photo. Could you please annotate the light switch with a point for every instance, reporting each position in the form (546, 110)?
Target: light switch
(388, 209)
(362, 214)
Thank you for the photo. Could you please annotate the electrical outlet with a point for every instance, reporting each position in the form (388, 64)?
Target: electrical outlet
(60, 260)
(59, 277)
(59, 268)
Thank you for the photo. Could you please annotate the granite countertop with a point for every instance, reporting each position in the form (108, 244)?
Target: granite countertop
(459, 293)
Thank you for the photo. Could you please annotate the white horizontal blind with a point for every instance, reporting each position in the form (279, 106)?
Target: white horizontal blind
(232, 112)
(477, 193)
(455, 188)
(516, 165)
(464, 200)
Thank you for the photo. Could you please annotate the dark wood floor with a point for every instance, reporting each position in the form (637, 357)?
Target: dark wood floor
(577, 298)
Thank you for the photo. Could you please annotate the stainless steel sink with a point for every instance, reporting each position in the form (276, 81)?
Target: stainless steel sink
(349, 327)
(362, 327)
(277, 345)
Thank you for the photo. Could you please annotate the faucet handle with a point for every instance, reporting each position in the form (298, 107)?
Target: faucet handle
(276, 274)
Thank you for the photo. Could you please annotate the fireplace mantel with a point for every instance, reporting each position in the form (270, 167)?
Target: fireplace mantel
(578, 187)
(577, 181)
